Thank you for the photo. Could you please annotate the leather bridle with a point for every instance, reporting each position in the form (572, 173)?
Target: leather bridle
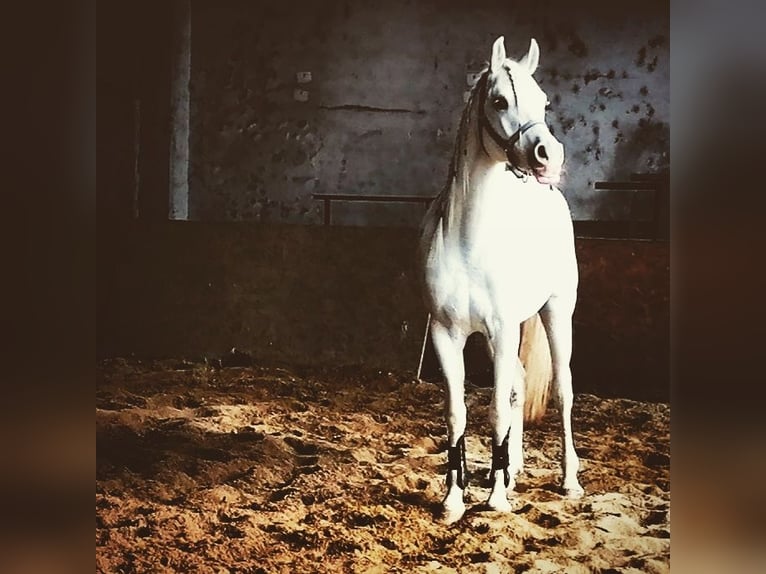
(506, 144)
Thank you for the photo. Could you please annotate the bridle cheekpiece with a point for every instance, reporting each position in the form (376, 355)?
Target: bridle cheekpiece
(506, 144)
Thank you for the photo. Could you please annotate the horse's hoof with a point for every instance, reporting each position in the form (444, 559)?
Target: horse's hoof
(516, 466)
(453, 506)
(498, 501)
(574, 492)
(452, 514)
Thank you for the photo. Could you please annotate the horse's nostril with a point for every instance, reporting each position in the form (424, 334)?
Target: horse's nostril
(541, 152)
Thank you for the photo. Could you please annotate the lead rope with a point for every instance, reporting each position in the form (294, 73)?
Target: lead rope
(423, 347)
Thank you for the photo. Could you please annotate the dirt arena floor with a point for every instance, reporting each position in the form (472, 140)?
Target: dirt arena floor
(223, 469)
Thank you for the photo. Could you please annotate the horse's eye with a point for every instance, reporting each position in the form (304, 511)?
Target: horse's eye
(500, 103)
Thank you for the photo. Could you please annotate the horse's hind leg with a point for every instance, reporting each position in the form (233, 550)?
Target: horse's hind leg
(557, 318)
(449, 348)
(506, 414)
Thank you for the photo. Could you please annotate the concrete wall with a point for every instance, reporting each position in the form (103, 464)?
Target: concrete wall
(386, 93)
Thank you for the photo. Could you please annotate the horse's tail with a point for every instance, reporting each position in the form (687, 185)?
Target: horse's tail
(535, 356)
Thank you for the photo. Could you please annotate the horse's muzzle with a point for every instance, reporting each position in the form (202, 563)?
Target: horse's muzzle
(546, 158)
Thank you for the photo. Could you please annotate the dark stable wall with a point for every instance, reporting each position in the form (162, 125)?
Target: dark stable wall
(386, 92)
(133, 64)
(348, 296)
(310, 295)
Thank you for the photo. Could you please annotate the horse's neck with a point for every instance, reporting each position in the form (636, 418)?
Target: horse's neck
(472, 181)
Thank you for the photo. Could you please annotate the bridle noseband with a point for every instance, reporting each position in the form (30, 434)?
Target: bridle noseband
(505, 144)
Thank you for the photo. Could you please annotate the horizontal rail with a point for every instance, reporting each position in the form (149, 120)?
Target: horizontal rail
(327, 198)
(593, 228)
(644, 229)
(658, 177)
(659, 183)
(385, 198)
(638, 185)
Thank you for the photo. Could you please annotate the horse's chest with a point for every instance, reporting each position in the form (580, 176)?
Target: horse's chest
(510, 262)
(513, 241)
(509, 281)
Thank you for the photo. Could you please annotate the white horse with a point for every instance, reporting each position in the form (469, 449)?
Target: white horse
(497, 253)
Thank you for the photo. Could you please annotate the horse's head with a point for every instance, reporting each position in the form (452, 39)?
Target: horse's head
(512, 113)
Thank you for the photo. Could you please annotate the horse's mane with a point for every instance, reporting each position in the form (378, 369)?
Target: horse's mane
(457, 177)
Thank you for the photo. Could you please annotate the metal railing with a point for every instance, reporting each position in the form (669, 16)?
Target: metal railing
(328, 198)
(659, 184)
(628, 229)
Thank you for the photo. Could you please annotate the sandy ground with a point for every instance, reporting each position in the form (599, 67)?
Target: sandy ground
(250, 469)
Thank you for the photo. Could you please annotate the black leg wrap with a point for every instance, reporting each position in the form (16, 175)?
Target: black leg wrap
(500, 459)
(456, 461)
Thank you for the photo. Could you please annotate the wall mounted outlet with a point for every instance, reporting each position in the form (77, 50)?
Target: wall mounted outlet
(300, 95)
(303, 77)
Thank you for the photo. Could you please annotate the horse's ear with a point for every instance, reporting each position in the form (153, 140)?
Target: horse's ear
(498, 54)
(532, 57)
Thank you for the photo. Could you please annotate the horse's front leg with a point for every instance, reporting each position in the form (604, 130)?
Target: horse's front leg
(449, 348)
(557, 318)
(506, 416)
